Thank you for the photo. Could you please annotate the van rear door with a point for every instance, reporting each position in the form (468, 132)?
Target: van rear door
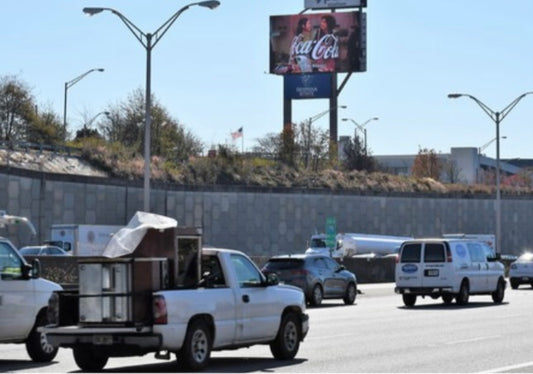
(434, 270)
(408, 269)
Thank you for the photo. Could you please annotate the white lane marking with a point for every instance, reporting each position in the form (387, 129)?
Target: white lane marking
(328, 337)
(477, 339)
(508, 368)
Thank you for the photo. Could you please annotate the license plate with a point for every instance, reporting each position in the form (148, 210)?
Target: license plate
(431, 272)
(102, 339)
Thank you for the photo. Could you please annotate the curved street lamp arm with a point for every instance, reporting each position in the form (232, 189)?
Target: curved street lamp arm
(491, 113)
(139, 35)
(509, 107)
(165, 26)
(322, 114)
(80, 77)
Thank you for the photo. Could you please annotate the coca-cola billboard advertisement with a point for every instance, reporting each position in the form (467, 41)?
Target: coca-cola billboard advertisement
(318, 43)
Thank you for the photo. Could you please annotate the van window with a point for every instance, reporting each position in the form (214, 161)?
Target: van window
(434, 252)
(477, 254)
(411, 252)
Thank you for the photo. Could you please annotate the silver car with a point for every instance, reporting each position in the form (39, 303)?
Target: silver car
(319, 276)
(521, 271)
(43, 250)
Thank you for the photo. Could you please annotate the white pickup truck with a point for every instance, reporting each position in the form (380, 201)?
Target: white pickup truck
(134, 305)
(23, 302)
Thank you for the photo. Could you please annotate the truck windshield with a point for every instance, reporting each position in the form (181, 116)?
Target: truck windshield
(10, 262)
(318, 243)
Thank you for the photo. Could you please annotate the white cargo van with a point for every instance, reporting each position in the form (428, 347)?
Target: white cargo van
(448, 268)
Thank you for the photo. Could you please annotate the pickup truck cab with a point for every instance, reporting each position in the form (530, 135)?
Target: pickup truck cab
(448, 268)
(233, 305)
(23, 303)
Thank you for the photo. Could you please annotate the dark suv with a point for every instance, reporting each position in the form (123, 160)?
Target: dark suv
(319, 276)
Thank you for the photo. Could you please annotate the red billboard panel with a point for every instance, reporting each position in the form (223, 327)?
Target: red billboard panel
(318, 43)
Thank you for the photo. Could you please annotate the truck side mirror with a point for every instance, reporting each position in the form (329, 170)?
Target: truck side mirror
(35, 270)
(272, 279)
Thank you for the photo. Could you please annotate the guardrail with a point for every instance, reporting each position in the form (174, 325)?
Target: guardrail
(28, 146)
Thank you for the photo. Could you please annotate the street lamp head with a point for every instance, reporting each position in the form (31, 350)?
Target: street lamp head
(454, 95)
(345, 119)
(343, 106)
(99, 69)
(375, 118)
(92, 11)
(209, 4)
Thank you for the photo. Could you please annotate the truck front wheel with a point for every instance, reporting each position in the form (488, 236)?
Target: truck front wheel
(88, 359)
(287, 342)
(37, 345)
(409, 299)
(196, 350)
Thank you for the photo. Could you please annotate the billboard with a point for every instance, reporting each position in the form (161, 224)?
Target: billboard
(318, 43)
(307, 86)
(324, 4)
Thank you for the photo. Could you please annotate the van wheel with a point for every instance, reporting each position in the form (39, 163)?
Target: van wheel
(514, 284)
(498, 295)
(351, 294)
(409, 299)
(196, 350)
(89, 359)
(447, 298)
(37, 345)
(464, 294)
(316, 295)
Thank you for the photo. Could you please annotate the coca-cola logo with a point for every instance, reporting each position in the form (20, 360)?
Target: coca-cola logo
(326, 47)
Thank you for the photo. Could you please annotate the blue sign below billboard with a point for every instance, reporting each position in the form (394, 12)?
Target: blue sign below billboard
(307, 86)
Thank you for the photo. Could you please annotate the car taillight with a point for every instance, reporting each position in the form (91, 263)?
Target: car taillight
(299, 272)
(160, 310)
(448, 255)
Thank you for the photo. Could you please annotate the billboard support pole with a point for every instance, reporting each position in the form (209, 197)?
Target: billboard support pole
(333, 115)
(344, 83)
(287, 111)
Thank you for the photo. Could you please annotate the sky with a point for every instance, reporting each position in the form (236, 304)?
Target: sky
(211, 69)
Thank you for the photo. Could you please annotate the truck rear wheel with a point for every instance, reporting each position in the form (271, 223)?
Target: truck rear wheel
(409, 299)
(88, 359)
(196, 350)
(287, 341)
(37, 345)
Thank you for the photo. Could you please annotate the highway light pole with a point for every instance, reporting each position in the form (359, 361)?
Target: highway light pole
(67, 86)
(149, 41)
(362, 127)
(497, 117)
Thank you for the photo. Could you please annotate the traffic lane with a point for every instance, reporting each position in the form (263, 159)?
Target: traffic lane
(430, 337)
(377, 334)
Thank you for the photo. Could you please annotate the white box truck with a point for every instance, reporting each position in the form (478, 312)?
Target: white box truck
(81, 239)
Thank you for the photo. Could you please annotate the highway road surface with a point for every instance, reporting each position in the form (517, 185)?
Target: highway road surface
(377, 334)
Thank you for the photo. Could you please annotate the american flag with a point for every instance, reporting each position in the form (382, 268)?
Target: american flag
(237, 134)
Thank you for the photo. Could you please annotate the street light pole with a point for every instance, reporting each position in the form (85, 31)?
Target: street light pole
(362, 127)
(67, 86)
(497, 117)
(146, 41)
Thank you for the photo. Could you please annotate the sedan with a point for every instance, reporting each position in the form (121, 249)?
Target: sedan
(319, 276)
(521, 271)
(43, 250)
